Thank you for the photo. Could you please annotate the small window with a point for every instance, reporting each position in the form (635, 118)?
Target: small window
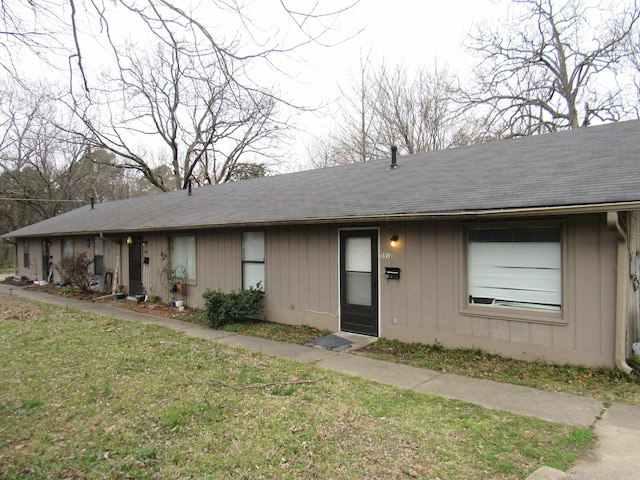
(67, 247)
(515, 267)
(26, 254)
(253, 260)
(98, 256)
(183, 256)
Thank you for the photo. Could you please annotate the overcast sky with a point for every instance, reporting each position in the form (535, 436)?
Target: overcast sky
(407, 32)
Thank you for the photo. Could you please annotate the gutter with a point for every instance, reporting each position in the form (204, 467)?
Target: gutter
(348, 220)
(613, 222)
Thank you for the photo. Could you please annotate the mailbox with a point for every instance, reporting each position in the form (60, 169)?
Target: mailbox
(392, 273)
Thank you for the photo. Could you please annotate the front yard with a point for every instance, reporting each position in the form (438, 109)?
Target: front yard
(85, 397)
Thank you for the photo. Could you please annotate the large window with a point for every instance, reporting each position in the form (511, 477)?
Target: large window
(183, 256)
(515, 267)
(252, 260)
(26, 246)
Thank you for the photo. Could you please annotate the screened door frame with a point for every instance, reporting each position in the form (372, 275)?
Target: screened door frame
(377, 267)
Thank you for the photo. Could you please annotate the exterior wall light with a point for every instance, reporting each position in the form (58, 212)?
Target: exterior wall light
(129, 240)
(394, 240)
(88, 242)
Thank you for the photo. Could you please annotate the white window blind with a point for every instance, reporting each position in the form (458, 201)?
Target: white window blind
(516, 267)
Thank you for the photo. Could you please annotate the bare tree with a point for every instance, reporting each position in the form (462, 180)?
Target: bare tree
(109, 180)
(633, 47)
(415, 110)
(324, 152)
(39, 162)
(548, 68)
(201, 92)
(61, 32)
(204, 122)
(356, 137)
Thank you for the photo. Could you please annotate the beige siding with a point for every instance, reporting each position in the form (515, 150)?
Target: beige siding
(302, 275)
(425, 305)
(217, 258)
(428, 304)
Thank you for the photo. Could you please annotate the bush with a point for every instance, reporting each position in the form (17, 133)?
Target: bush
(223, 308)
(65, 290)
(74, 270)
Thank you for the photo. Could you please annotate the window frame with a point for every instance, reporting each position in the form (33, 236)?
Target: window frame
(98, 266)
(244, 261)
(26, 253)
(190, 280)
(66, 241)
(514, 313)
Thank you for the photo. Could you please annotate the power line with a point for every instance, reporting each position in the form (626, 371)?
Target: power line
(39, 200)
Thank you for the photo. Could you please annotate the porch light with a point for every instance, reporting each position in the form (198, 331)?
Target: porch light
(88, 242)
(129, 240)
(394, 240)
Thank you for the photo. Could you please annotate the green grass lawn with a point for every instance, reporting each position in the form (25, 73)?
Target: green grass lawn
(602, 383)
(89, 397)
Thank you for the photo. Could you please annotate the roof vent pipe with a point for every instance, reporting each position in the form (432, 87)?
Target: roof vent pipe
(394, 153)
(189, 187)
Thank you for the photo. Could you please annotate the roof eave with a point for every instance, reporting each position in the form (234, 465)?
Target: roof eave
(535, 211)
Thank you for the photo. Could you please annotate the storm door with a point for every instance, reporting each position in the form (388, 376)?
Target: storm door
(47, 264)
(359, 281)
(135, 266)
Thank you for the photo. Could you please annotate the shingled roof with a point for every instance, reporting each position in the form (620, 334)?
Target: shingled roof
(586, 168)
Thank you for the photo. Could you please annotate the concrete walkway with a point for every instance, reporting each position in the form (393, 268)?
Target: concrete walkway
(617, 427)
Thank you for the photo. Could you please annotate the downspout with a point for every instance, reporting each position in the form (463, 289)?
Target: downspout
(613, 222)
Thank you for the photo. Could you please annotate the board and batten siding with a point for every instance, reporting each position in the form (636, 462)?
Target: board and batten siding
(218, 263)
(429, 301)
(302, 275)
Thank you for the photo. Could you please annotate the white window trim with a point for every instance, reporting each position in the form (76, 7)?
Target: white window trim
(70, 242)
(190, 280)
(243, 262)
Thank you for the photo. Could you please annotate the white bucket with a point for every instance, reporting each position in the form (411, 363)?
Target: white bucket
(181, 308)
(180, 304)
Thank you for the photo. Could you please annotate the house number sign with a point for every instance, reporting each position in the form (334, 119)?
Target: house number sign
(386, 256)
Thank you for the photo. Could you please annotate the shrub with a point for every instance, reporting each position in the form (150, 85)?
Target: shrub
(74, 270)
(65, 290)
(223, 308)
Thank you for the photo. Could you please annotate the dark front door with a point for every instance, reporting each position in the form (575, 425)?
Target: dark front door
(359, 281)
(47, 265)
(135, 266)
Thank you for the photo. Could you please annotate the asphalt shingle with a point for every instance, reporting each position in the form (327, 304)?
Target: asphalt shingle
(587, 166)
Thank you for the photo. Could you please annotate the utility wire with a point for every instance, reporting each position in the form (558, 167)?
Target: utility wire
(39, 200)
